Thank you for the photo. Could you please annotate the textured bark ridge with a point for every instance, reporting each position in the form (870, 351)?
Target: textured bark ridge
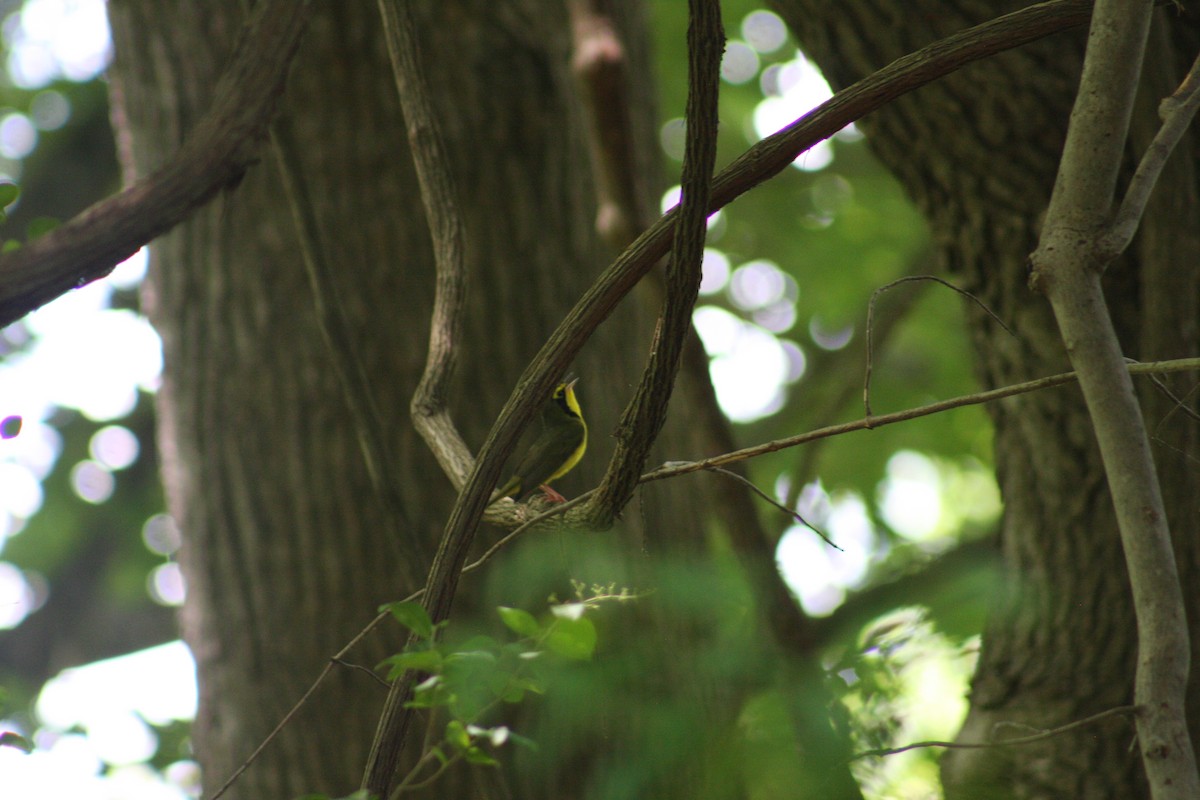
(978, 152)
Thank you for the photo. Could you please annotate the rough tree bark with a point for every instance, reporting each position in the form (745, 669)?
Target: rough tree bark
(286, 556)
(978, 152)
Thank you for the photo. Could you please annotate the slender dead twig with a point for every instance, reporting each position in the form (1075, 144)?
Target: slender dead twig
(1176, 112)
(871, 316)
(1118, 711)
(796, 515)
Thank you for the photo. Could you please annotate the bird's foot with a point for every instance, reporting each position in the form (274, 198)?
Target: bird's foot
(551, 495)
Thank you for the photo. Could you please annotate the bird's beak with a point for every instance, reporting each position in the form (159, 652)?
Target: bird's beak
(571, 381)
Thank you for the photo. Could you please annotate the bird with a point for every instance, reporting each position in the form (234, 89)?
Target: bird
(556, 449)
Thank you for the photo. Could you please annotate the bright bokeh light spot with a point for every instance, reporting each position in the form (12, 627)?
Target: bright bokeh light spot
(777, 317)
(829, 338)
(714, 271)
(18, 136)
(58, 39)
(161, 535)
(927, 500)
(792, 90)
(109, 701)
(166, 585)
(129, 273)
(62, 766)
(764, 31)
(17, 599)
(114, 446)
(797, 361)
(22, 491)
(819, 574)
(95, 361)
(910, 496)
(739, 64)
(673, 137)
(92, 482)
(749, 366)
(158, 684)
(50, 110)
(122, 738)
(758, 284)
(670, 199)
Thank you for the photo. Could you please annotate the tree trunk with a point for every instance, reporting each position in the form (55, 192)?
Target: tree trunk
(286, 552)
(978, 152)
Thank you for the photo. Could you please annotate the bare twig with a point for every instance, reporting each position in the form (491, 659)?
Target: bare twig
(1176, 112)
(1118, 711)
(1067, 266)
(218, 152)
(671, 469)
(287, 718)
(871, 314)
(789, 511)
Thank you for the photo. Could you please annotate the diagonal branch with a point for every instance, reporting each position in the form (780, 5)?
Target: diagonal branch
(224, 144)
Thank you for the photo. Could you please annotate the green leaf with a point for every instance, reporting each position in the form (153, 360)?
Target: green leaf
(456, 734)
(412, 616)
(515, 691)
(420, 660)
(9, 192)
(11, 739)
(524, 741)
(10, 245)
(477, 756)
(572, 638)
(41, 226)
(519, 621)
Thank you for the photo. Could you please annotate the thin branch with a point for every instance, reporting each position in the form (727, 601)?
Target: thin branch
(1118, 711)
(674, 468)
(224, 144)
(789, 511)
(643, 417)
(295, 709)
(1176, 112)
(871, 314)
(828, 389)
(1067, 266)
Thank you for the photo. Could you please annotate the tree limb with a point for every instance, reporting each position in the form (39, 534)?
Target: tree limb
(224, 144)
(1067, 267)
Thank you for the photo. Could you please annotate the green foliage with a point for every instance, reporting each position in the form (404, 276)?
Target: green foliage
(41, 226)
(469, 680)
(9, 192)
